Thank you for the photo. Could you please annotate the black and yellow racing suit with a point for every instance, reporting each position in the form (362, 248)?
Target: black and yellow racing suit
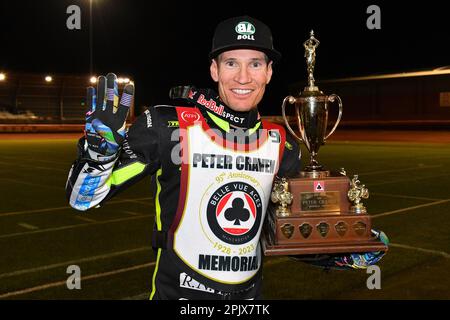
(152, 147)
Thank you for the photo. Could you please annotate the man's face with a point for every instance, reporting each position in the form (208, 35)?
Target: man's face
(242, 76)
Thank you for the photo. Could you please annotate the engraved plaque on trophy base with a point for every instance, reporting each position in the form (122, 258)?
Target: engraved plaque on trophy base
(320, 221)
(326, 194)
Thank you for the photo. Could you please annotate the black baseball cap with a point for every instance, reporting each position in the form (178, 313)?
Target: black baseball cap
(243, 32)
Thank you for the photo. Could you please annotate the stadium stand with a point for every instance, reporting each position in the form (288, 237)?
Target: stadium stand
(396, 100)
(31, 99)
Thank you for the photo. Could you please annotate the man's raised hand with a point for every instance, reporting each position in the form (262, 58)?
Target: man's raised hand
(105, 116)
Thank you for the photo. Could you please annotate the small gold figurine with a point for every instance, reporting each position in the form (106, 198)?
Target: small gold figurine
(356, 193)
(280, 194)
(310, 46)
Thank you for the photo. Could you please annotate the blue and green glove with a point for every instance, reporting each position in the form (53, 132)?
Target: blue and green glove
(105, 117)
(346, 261)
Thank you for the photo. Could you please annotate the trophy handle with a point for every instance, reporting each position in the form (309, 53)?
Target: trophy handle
(291, 100)
(331, 98)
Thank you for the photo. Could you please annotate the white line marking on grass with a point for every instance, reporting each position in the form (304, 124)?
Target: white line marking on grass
(83, 218)
(31, 184)
(132, 213)
(141, 202)
(142, 296)
(410, 180)
(403, 196)
(404, 246)
(34, 160)
(399, 170)
(276, 261)
(33, 167)
(84, 278)
(76, 261)
(13, 213)
(73, 226)
(388, 213)
(28, 226)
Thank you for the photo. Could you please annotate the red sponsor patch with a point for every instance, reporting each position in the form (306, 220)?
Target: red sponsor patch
(319, 186)
(190, 116)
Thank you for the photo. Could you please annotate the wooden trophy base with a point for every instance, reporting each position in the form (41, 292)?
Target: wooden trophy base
(320, 221)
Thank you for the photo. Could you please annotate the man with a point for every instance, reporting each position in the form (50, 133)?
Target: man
(214, 164)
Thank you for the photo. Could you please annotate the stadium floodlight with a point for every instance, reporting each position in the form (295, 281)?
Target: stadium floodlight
(2, 76)
(93, 79)
(48, 78)
(123, 80)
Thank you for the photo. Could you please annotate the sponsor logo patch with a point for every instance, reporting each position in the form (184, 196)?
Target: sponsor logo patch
(234, 212)
(245, 30)
(190, 116)
(188, 282)
(172, 124)
(149, 118)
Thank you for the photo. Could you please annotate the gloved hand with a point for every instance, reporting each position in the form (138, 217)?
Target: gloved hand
(364, 260)
(105, 116)
(346, 260)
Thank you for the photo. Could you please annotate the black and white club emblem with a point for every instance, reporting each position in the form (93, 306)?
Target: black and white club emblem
(234, 212)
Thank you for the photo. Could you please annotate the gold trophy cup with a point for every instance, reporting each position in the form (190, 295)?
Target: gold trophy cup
(319, 211)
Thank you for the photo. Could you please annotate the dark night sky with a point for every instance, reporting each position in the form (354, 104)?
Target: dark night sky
(165, 43)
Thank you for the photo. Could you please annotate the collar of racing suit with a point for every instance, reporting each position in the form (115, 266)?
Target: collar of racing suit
(209, 103)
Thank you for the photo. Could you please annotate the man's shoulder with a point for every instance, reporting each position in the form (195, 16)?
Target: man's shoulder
(270, 124)
(161, 110)
(164, 110)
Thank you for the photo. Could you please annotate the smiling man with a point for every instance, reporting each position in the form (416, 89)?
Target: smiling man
(242, 61)
(213, 163)
(242, 76)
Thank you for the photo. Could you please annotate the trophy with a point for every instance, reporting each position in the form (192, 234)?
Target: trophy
(318, 211)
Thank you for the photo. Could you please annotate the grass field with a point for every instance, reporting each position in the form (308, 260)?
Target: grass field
(40, 235)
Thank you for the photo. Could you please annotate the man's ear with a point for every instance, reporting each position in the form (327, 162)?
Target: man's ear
(269, 72)
(214, 70)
